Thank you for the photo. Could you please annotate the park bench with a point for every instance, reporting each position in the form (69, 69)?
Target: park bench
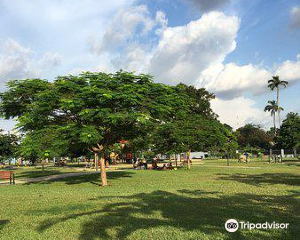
(5, 175)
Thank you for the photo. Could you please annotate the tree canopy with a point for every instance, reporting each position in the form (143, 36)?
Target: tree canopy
(8, 145)
(254, 136)
(94, 111)
(289, 136)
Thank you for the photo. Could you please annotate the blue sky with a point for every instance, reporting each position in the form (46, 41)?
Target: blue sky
(230, 47)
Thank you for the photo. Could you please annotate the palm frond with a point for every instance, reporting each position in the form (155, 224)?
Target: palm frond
(271, 86)
(284, 83)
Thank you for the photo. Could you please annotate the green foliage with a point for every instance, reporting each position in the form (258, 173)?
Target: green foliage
(275, 82)
(22, 94)
(8, 145)
(92, 109)
(253, 136)
(272, 107)
(194, 132)
(289, 135)
(36, 144)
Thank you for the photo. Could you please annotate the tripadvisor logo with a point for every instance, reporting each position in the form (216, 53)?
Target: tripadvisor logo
(232, 225)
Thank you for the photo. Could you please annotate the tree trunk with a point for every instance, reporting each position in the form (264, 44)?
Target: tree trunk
(278, 108)
(96, 162)
(274, 122)
(103, 171)
(188, 160)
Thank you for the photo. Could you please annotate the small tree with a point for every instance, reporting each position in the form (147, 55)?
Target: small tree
(8, 145)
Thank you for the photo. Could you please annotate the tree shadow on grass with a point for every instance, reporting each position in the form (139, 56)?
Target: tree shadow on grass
(188, 212)
(3, 223)
(264, 178)
(35, 174)
(93, 178)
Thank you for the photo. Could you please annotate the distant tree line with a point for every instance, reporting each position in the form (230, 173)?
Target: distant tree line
(94, 113)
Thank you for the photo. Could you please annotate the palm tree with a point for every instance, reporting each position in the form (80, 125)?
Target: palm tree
(273, 83)
(273, 108)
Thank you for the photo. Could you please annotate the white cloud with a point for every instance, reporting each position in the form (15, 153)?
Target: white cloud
(128, 39)
(161, 20)
(58, 12)
(126, 25)
(193, 53)
(295, 17)
(239, 111)
(51, 59)
(137, 42)
(231, 80)
(184, 51)
(17, 61)
(289, 70)
(135, 57)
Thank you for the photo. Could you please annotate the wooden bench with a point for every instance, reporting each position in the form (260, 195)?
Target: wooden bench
(5, 175)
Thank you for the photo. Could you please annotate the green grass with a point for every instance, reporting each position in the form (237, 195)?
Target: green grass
(34, 172)
(141, 204)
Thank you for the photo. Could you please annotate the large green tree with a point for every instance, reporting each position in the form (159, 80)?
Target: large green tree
(94, 110)
(276, 83)
(194, 133)
(289, 137)
(253, 136)
(195, 129)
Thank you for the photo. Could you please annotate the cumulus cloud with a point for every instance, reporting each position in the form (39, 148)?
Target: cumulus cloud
(135, 57)
(51, 59)
(208, 5)
(128, 24)
(192, 53)
(136, 41)
(184, 51)
(289, 70)
(17, 61)
(230, 80)
(295, 17)
(239, 111)
(129, 39)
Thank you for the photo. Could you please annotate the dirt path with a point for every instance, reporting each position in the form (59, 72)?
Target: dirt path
(53, 177)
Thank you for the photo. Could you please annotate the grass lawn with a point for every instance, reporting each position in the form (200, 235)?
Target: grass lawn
(34, 172)
(142, 204)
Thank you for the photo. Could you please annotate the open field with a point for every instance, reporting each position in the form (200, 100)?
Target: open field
(142, 204)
